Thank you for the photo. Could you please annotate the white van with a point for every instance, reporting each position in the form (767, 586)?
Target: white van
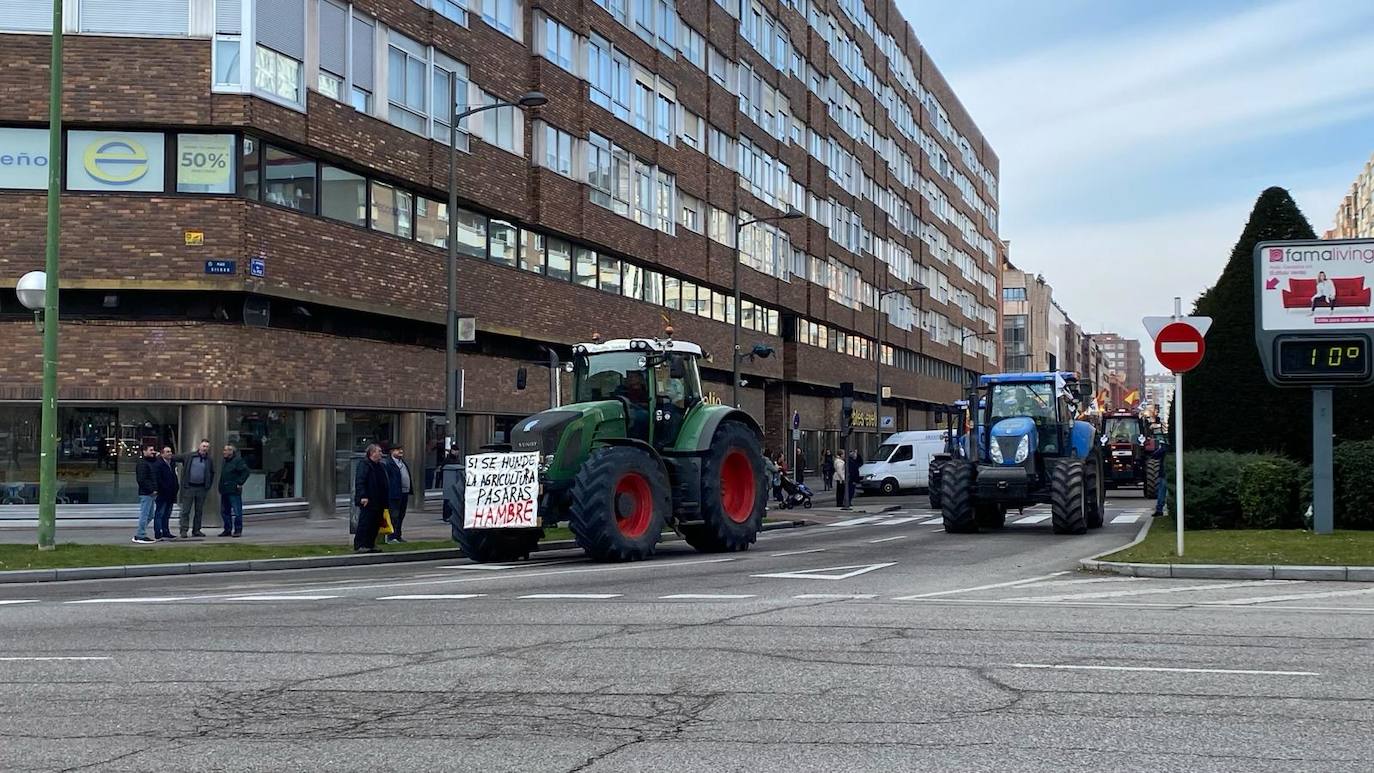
(902, 461)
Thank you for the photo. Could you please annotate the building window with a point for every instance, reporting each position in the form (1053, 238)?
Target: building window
(559, 45)
(277, 74)
(268, 439)
(343, 196)
(391, 210)
(289, 180)
(360, 99)
(498, 126)
(532, 251)
(721, 226)
(228, 49)
(560, 259)
(406, 89)
(608, 274)
(1013, 293)
(584, 267)
(502, 238)
(693, 130)
(693, 46)
(472, 234)
(453, 11)
(557, 151)
(503, 15)
(617, 8)
(632, 285)
(672, 292)
(690, 208)
(331, 86)
(431, 222)
(353, 432)
(205, 163)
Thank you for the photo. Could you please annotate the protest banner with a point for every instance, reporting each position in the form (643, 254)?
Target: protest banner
(501, 491)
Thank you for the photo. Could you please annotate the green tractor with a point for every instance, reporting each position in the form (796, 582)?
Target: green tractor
(637, 451)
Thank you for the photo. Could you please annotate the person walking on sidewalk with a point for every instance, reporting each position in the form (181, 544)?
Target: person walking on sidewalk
(198, 475)
(799, 465)
(837, 463)
(827, 469)
(145, 474)
(231, 479)
(852, 466)
(167, 489)
(371, 493)
(1162, 487)
(398, 484)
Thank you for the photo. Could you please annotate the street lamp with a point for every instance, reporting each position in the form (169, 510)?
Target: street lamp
(878, 366)
(528, 99)
(792, 214)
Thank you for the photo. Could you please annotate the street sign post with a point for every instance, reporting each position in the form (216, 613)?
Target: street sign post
(1179, 346)
(1315, 329)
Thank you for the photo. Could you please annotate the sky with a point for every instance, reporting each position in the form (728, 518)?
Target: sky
(1134, 137)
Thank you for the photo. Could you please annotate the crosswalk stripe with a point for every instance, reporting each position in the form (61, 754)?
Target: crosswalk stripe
(432, 597)
(3, 602)
(709, 596)
(934, 521)
(142, 600)
(899, 521)
(280, 598)
(1152, 591)
(1126, 519)
(543, 596)
(1032, 519)
(856, 521)
(1298, 597)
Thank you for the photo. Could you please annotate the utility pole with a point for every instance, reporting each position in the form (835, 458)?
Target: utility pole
(47, 464)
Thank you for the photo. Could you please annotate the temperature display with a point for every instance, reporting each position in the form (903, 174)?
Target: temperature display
(1328, 359)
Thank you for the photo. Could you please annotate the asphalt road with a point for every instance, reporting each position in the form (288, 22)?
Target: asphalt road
(874, 645)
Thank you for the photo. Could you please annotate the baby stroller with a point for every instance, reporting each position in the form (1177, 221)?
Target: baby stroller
(795, 494)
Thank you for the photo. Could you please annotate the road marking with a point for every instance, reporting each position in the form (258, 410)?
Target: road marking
(570, 596)
(709, 596)
(432, 597)
(856, 521)
(500, 567)
(796, 552)
(1126, 519)
(820, 574)
(1048, 583)
(1297, 597)
(834, 596)
(4, 602)
(281, 598)
(900, 521)
(1153, 591)
(886, 539)
(1033, 519)
(1162, 669)
(933, 521)
(141, 600)
(1026, 581)
(15, 658)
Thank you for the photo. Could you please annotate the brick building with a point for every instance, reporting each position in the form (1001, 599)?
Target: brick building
(1355, 213)
(1125, 368)
(254, 220)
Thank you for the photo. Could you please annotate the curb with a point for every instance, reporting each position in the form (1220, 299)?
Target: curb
(280, 564)
(1222, 571)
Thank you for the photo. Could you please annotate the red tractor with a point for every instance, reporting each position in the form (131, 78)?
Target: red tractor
(1128, 464)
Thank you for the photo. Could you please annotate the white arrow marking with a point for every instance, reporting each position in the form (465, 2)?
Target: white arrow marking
(821, 574)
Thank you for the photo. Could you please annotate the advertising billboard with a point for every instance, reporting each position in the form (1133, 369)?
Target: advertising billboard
(24, 159)
(115, 161)
(1315, 286)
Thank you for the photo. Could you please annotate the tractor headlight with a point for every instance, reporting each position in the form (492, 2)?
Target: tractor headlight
(1023, 449)
(995, 451)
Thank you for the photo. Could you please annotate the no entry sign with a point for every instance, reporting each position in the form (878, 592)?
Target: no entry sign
(1179, 347)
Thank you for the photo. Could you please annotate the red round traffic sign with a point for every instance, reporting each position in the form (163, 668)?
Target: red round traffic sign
(1179, 347)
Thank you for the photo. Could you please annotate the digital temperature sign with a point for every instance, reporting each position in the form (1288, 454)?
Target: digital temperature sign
(1323, 360)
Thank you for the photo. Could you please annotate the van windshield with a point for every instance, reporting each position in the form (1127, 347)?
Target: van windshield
(884, 451)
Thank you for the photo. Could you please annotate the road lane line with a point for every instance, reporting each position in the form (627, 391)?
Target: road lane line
(4, 602)
(1033, 519)
(1152, 591)
(1013, 583)
(15, 658)
(886, 539)
(1163, 669)
(544, 596)
(281, 598)
(820, 574)
(856, 521)
(834, 596)
(138, 600)
(432, 597)
(1049, 583)
(1126, 519)
(900, 521)
(709, 596)
(933, 521)
(1297, 597)
(796, 552)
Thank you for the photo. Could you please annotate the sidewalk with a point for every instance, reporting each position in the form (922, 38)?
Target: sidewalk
(419, 526)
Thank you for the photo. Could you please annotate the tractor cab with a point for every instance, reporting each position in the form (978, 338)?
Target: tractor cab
(1123, 438)
(656, 382)
(1027, 416)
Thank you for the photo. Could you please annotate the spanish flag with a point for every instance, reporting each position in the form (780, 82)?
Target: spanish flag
(1133, 397)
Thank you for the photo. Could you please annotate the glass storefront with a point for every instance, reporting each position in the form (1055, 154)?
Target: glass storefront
(97, 450)
(269, 440)
(354, 430)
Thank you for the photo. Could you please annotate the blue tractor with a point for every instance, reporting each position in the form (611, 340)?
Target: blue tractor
(1025, 448)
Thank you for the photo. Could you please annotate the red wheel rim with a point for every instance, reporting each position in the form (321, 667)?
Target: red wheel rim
(737, 486)
(634, 504)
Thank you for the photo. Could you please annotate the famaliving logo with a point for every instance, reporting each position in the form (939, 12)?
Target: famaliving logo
(1311, 253)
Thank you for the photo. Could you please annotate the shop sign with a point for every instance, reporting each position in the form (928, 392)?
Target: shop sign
(24, 158)
(115, 161)
(867, 419)
(205, 163)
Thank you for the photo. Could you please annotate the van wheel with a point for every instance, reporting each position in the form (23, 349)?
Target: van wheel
(889, 487)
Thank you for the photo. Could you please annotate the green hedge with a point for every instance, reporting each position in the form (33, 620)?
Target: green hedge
(1353, 465)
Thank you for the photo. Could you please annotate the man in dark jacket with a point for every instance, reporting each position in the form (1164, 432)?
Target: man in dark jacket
(1162, 487)
(197, 477)
(167, 489)
(231, 479)
(399, 485)
(146, 477)
(371, 493)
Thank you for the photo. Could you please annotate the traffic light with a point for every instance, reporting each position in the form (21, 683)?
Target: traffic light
(846, 407)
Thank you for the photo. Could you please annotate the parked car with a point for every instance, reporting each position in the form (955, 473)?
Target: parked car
(902, 462)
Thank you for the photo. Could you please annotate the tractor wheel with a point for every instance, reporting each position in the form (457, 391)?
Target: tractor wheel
(956, 497)
(1068, 506)
(889, 487)
(1094, 492)
(620, 502)
(989, 515)
(734, 494)
(1153, 471)
(491, 545)
(933, 483)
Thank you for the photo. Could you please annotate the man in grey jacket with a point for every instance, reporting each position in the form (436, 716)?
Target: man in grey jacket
(197, 478)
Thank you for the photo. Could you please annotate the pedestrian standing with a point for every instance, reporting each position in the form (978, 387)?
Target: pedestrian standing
(450, 457)
(1162, 487)
(800, 464)
(167, 489)
(371, 494)
(827, 469)
(770, 469)
(231, 479)
(852, 467)
(198, 475)
(837, 464)
(398, 483)
(145, 475)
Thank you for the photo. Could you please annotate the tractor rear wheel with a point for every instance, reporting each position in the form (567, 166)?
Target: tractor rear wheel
(734, 495)
(1153, 471)
(1068, 505)
(620, 502)
(956, 497)
(933, 482)
(1094, 492)
(490, 545)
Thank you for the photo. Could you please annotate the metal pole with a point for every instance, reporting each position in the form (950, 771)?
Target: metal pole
(1323, 485)
(47, 464)
(1178, 443)
(878, 373)
(555, 396)
(734, 283)
(450, 317)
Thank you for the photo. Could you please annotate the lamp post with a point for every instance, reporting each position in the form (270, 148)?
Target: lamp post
(792, 214)
(528, 99)
(878, 366)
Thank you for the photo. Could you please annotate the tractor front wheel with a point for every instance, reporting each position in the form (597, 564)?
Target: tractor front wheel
(1094, 492)
(490, 545)
(956, 497)
(734, 495)
(620, 502)
(1068, 505)
(1153, 470)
